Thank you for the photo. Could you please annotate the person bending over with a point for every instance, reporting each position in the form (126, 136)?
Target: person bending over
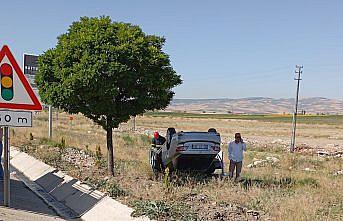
(158, 140)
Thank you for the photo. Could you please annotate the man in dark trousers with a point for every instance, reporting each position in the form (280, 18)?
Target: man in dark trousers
(236, 149)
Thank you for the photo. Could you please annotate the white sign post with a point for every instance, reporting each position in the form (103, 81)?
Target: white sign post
(6, 167)
(17, 100)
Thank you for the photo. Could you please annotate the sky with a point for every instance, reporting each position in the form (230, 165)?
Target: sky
(221, 48)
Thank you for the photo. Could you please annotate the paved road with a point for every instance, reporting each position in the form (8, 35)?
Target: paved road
(10, 214)
(25, 205)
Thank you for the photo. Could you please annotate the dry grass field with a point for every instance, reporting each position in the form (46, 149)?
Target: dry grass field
(299, 186)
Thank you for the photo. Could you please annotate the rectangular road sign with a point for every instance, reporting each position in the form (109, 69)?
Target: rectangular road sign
(30, 64)
(30, 68)
(9, 118)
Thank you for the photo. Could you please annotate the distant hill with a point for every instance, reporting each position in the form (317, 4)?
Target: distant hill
(257, 105)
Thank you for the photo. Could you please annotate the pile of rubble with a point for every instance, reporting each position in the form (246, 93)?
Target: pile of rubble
(335, 154)
(338, 173)
(264, 162)
(305, 148)
(330, 150)
(207, 209)
(78, 157)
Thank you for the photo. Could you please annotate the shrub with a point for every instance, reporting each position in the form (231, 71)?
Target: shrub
(50, 157)
(129, 141)
(114, 190)
(98, 156)
(308, 182)
(162, 210)
(95, 182)
(62, 144)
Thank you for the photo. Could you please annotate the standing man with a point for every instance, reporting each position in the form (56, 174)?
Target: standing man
(1, 148)
(236, 149)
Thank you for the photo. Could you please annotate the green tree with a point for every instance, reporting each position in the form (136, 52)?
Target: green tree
(108, 71)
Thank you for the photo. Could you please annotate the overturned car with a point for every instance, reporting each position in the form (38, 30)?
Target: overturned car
(193, 151)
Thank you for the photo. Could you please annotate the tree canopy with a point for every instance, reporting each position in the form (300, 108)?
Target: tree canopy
(102, 68)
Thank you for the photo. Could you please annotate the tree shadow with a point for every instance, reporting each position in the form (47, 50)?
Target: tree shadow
(184, 178)
(284, 182)
(274, 182)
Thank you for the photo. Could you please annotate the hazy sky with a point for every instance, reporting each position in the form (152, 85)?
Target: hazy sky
(225, 49)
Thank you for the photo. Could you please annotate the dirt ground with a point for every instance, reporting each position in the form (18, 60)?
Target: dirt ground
(317, 136)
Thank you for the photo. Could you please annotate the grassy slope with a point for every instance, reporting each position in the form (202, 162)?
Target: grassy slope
(283, 190)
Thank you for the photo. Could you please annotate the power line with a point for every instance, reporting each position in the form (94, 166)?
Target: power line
(299, 72)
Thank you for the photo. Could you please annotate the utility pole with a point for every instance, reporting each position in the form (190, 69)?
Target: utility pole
(299, 72)
(134, 123)
(7, 179)
(50, 122)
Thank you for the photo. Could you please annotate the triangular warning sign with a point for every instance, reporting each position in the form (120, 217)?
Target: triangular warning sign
(15, 90)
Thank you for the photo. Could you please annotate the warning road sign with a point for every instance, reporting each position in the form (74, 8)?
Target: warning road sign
(16, 92)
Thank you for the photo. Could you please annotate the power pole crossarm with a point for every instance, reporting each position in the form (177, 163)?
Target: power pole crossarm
(299, 72)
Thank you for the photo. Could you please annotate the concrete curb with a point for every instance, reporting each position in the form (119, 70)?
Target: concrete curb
(67, 196)
(59, 208)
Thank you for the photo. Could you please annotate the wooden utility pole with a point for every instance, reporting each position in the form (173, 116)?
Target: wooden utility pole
(134, 123)
(299, 72)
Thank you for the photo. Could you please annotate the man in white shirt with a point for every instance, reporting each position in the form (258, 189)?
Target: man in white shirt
(236, 149)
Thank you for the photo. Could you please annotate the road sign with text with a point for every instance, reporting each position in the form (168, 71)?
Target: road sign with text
(9, 118)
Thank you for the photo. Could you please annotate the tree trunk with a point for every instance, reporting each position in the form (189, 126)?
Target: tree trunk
(110, 161)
